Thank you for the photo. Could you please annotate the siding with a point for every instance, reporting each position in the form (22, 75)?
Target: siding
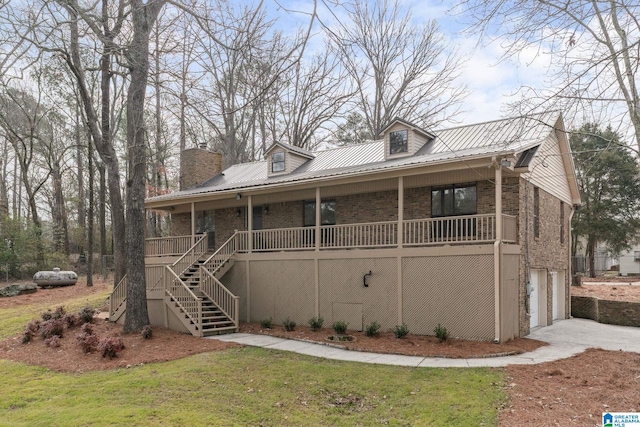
(548, 171)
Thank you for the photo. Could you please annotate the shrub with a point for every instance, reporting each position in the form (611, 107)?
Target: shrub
(87, 328)
(147, 333)
(401, 331)
(46, 315)
(289, 325)
(110, 347)
(441, 333)
(86, 314)
(71, 320)
(33, 327)
(26, 337)
(59, 313)
(54, 341)
(372, 329)
(340, 327)
(316, 323)
(88, 342)
(51, 327)
(267, 323)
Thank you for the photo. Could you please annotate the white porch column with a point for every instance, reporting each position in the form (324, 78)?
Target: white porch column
(193, 222)
(496, 248)
(250, 222)
(318, 218)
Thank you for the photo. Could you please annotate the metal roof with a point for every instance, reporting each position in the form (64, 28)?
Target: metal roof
(511, 135)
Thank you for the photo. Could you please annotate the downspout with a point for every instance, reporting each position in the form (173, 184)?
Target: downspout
(496, 250)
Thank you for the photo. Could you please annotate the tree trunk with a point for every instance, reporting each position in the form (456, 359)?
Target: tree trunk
(103, 211)
(591, 249)
(90, 218)
(137, 55)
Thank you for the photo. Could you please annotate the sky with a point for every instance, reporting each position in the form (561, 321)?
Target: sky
(491, 83)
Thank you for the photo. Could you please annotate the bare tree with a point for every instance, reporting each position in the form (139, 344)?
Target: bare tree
(593, 49)
(398, 68)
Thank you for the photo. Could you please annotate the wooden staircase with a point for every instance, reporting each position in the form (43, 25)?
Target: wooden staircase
(214, 320)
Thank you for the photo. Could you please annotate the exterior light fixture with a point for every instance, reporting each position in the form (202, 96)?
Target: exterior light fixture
(239, 212)
(266, 209)
(238, 196)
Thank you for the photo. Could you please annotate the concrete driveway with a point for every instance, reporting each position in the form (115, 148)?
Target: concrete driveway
(566, 338)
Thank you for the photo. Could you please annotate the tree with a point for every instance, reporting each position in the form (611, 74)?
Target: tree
(592, 47)
(607, 175)
(398, 68)
(353, 131)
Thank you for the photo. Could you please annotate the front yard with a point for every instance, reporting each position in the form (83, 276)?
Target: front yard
(176, 379)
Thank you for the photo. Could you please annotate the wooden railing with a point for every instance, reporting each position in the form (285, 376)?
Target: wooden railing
(190, 256)
(223, 254)
(283, 239)
(154, 276)
(181, 295)
(368, 235)
(242, 241)
(118, 296)
(227, 302)
(458, 229)
(169, 246)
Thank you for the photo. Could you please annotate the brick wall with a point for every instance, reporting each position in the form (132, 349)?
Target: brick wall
(367, 207)
(544, 252)
(197, 166)
(180, 224)
(622, 313)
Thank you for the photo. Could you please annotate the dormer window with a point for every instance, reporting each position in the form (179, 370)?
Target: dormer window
(277, 162)
(399, 141)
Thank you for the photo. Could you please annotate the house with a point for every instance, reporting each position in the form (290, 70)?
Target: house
(465, 227)
(629, 261)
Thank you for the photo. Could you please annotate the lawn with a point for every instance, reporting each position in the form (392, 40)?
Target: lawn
(243, 386)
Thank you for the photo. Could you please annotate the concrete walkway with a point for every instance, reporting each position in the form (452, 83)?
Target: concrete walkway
(565, 338)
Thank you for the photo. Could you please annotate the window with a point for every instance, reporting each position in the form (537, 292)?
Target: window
(536, 212)
(277, 162)
(205, 221)
(399, 141)
(327, 212)
(636, 256)
(561, 222)
(454, 200)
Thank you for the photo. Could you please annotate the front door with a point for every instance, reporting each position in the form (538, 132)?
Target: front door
(257, 217)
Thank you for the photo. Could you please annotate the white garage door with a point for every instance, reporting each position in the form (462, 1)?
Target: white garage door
(534, 298)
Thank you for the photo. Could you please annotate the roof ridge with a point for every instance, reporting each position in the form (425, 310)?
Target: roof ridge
(521, 116)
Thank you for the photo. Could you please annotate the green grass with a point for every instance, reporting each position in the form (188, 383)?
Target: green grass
(251, 386)
(241, 387)
(13, 320)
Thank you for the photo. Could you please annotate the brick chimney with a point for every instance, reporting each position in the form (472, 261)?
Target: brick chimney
(198, 165)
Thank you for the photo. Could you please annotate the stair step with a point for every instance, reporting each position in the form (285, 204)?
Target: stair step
(217, 331)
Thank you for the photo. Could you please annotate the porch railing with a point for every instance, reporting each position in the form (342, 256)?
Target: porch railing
(154, 276)
(282, 239)
(227, 302)
(169, 246)
(183, 297)
(459, 229)
(368, 235)
(190, 256)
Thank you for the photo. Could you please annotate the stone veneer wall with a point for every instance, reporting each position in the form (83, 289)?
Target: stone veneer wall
(544, 252)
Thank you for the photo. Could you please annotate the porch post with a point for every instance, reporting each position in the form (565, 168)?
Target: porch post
(193, 222)
(400, 244)
(250, 222)
(496, 248)
(318, 218)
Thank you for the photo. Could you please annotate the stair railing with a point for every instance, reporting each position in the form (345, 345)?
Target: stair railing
(227, 302)
(191, 256)
(184, 297)
(118, 296)
(223, 254)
